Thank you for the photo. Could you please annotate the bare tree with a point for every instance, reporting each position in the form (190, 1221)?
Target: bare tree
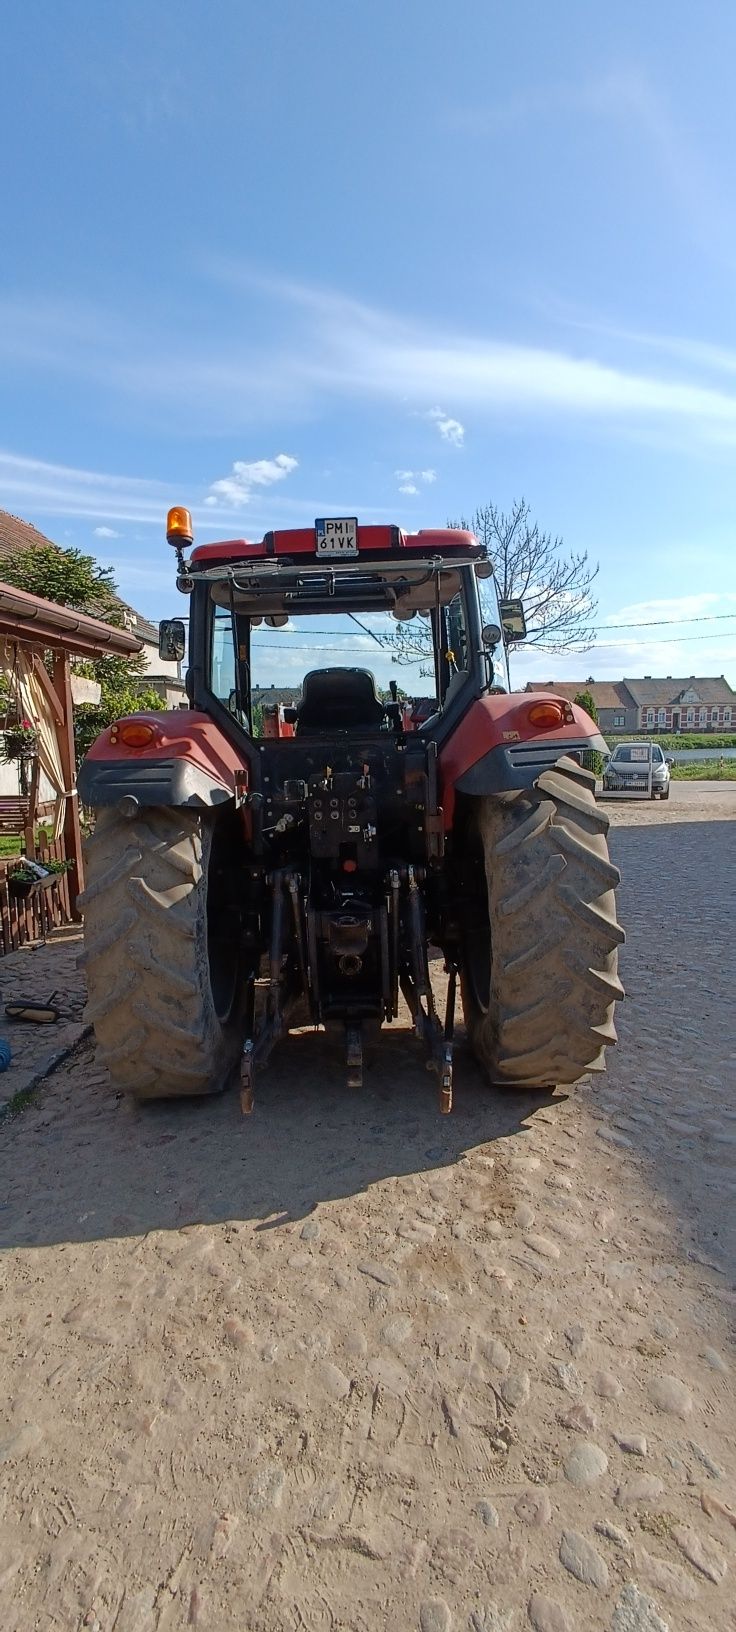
(532, 566)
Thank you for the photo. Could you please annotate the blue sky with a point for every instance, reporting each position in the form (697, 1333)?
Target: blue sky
(280, 261)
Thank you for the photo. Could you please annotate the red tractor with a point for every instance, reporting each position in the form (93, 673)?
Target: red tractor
(252, 871)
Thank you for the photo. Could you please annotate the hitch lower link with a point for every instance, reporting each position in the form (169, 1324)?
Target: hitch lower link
(268, 1019)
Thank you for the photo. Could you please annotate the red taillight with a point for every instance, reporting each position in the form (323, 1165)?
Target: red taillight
(136, 734)
(546, 715)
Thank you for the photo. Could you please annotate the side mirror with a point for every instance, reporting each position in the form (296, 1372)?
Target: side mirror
(513, 620)
(172, 640)
(669, 762)
(491, 634)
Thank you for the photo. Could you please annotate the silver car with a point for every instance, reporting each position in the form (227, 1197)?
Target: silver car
(627, 770)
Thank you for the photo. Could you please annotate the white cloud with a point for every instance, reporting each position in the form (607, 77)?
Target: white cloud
(450, 429)
(237, 488)
(106, 532)
(408, 479)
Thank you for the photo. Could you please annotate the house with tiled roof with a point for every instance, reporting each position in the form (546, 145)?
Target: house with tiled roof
(17, 535)
(689, 704)
(650, 704)
(284, 696)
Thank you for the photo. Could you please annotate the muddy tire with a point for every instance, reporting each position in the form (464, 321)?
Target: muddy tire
(162, 980)
(540, 944)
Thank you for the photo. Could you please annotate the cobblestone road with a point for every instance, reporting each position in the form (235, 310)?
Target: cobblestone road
(350, 1365)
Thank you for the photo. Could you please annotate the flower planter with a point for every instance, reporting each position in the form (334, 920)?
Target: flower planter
(23, 887)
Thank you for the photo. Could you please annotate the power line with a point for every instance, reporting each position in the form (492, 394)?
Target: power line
(660, 623)
(597, 645)
(602, 628)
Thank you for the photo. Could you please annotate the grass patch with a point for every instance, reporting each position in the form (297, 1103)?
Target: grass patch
(682, 739)
(707, 770)
(11, 844)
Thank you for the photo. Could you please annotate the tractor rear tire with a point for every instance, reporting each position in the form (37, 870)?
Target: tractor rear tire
(162, 974)
(539, 967)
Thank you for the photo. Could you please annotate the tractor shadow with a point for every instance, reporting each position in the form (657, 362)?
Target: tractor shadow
(85, 1165)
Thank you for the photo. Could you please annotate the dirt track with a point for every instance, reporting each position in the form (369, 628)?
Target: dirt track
(350, 1365)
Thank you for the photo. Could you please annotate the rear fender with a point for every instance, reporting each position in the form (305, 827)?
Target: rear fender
(189, 762)
(496, 748)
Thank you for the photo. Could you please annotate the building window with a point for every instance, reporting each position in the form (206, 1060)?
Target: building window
(691, 716)
(663, 716)
(702, 716)
(619, 719)
(714, 716)
(650, 716)
(726, 716)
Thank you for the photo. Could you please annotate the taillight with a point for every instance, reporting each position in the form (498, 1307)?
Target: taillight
(136, 733)
(546, 714)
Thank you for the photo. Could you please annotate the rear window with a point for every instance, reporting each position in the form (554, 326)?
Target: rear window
(632, 754)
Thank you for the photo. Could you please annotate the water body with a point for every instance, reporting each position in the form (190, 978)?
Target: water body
(692, 756)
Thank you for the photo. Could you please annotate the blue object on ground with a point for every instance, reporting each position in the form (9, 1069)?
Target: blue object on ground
(5, 1054)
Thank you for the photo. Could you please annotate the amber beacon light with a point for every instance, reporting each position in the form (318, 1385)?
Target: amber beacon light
(179, 529)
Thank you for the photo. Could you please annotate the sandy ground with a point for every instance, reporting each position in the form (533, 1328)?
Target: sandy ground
(347, 1364)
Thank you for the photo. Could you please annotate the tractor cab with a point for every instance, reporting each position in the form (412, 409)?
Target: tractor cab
(341, 601)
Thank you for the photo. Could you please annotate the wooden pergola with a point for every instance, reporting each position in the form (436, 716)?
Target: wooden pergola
(51, 635)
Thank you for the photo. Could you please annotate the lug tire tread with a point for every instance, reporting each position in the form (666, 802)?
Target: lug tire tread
(145, 927)
(554, 934)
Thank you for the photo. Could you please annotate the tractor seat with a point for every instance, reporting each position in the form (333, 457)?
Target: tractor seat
(339, 700)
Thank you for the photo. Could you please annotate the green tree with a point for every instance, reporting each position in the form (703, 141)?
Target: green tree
(68, 577)
(74, 579)
(584, 699)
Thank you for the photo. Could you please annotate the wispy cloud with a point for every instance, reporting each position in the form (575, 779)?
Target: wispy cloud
(682, 608)
(628, 100)
(36, 488)
(237, 488)
(332, 349)
(106, 532)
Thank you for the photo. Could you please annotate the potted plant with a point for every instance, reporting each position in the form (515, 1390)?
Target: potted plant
(20, 743)
(32, 876)
(22, 882)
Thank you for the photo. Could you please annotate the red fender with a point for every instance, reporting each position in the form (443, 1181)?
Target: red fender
(198, 764)
(502, 721)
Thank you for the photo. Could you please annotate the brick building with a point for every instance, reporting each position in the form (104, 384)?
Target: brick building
(692, 704)
(649, 704)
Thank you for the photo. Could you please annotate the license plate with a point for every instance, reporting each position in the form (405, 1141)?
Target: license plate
(337, 536)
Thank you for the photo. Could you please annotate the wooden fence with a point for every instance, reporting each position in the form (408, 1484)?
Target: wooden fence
(30, 917)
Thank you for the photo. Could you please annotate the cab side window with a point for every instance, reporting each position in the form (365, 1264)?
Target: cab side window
(222, 661)
(457, 633)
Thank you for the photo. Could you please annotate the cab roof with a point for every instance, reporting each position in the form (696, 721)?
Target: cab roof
(373, 541)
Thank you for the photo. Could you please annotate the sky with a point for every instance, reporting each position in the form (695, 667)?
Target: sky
(312, 258)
